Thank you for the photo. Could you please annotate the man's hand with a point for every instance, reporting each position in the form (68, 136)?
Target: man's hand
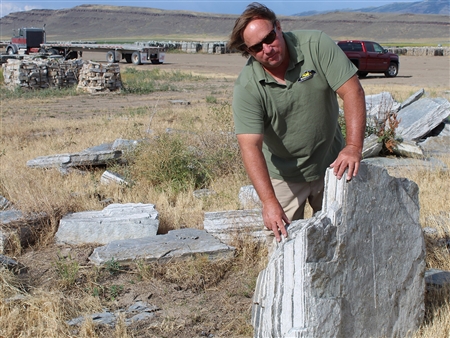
(349, 158)
(255, 165)
(275, 219)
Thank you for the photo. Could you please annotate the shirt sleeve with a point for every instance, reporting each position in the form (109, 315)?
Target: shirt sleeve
(248, 109)
(335, 64)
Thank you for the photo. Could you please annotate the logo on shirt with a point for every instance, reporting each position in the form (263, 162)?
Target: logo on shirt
(307, 75)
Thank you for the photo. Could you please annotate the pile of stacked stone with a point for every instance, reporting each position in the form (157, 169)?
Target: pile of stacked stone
(64, 74)
(421, 51)
(96, 77)
(41, 73)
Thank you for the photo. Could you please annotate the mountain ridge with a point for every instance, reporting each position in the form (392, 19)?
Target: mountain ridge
(439, 7)
(99, 22)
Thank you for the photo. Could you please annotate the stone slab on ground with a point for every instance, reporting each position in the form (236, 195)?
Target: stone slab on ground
(116, 221)
(436, 278)
(421, 117)
(18, 230)
(356, 269)
(379, 106)
(436, 146)
(175, 245)
(371, 147)
(235, 225)
(398, 163)
(93, 156)
(99, 155)
(248, 198)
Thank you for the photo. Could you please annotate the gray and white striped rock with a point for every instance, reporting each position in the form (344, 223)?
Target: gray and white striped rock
(413, 98)
(115, 222)
(248, 197)
(112, 178)
(379, 106)
(176, 245)
(231, 225)
(372, 146)
(354, 270)
(93, 156)
(431, 163)
(421, 117)
(436, 146)
(408, 149)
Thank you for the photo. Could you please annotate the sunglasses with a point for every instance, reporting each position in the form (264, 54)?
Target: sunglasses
(267, 40)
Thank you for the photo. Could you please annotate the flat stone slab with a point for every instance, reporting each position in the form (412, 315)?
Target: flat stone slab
(372, 147)
(116, 221)
(353, 270)
(407, 163)
(94, 156)
(379, 106)
(436, 278)
(421, 117)
(231, 225)
(436, 146)
(175, 245)
(99, 155)
(18, 230)
(248, 198)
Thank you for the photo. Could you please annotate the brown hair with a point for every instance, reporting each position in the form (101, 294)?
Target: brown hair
(253, 11)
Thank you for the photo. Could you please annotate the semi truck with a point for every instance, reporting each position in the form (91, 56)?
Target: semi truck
(33, 40)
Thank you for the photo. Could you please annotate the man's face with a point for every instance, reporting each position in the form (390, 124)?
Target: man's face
(266, 47)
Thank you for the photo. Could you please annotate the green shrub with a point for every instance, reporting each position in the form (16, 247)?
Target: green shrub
(179, 162)
(149, 81)
(67, 269)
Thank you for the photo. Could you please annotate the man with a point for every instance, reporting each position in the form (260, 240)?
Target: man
(286, 114)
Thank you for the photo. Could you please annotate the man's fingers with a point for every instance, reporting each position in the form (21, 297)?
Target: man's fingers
(276, 232)
(277, 229)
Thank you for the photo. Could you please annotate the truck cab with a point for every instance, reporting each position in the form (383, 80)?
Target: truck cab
(26, 41)
(370, 57)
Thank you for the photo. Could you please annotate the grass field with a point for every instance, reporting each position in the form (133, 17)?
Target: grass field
(165, 172)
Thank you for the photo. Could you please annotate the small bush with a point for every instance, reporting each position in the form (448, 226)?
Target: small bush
(149, 81)
(67, 270)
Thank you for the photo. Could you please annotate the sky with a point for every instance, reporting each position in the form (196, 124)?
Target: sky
(209, 6)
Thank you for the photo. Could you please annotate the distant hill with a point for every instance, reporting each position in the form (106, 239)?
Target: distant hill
(440, 7)
(122, 23)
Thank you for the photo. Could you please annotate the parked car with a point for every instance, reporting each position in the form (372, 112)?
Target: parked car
(370, 57)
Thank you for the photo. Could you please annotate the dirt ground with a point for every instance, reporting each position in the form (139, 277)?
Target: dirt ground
(183, 311)
(218, 73)
(414, 70)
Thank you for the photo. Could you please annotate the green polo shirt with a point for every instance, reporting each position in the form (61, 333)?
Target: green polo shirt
(299, 120)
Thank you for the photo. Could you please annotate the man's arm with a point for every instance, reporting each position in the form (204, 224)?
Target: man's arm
(352, 93)
(256, 167)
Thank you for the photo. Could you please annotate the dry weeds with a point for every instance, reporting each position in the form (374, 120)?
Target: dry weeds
(198, 297)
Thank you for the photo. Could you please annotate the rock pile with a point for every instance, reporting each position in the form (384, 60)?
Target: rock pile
(96, 77)
(421, 51)
(35, 73)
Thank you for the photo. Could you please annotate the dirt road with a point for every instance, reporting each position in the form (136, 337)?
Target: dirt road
(433, 71)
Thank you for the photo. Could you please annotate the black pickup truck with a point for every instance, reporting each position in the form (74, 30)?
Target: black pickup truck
(370, 57)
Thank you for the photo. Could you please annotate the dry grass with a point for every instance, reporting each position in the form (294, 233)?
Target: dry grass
(42, 308)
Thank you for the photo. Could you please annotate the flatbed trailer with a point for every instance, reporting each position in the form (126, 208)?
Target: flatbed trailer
(33, 40)
(137, 53)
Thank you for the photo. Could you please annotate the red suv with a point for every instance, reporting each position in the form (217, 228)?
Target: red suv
(370, 57)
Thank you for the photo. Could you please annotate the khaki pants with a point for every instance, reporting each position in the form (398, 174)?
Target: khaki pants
(293, 196)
